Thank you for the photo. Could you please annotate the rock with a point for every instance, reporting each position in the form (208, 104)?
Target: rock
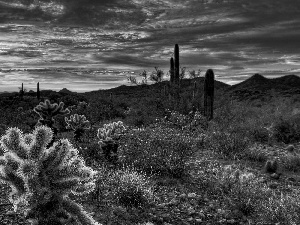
(273, 185)
(198, 221)
(192, 195)
(290, 148)
(275, 176)
(190, 219)
(173, 202)
(191, 212)
(290, 179)
(232, 221)
(182, 196)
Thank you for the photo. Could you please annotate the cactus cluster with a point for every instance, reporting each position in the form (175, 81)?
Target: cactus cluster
(78, 123)
(41, 178)
(109, 135)
(48, 112)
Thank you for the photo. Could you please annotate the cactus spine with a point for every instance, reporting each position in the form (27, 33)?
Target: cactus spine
(172, 70)
(38, 94)
(209, 94)
(176, 64)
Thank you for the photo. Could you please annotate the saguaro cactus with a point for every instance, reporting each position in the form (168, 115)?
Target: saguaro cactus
(194, 90)
(172, 70)
(209, 94)
(41, 178)
(176, 64)
(38, 94)
(22, 91)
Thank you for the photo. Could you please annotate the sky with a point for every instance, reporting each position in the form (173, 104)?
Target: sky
(235, 38)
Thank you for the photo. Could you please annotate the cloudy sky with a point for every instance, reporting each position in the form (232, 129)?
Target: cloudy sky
(235, 38)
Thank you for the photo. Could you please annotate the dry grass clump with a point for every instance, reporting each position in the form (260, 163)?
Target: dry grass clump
(126, 187)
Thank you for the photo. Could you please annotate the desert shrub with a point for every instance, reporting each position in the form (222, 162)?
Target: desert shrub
(281, 209)
(230, 144)
(260, 134)
(125, 187)
(257, 152)
(241, 189)
(286, 130)
(291, 162)
(157, 149)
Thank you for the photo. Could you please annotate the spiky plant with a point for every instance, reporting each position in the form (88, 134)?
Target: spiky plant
(108, 139)
(48, 112)
(78, 123)
(41, 178)
(209, 94)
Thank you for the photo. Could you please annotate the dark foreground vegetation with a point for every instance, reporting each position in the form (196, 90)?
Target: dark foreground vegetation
(165, 163)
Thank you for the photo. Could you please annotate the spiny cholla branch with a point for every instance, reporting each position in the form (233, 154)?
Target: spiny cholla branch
(41, 178)
(48, 112)
(78, 123)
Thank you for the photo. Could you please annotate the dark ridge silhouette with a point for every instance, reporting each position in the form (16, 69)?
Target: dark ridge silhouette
(66, 91)
(258, 86)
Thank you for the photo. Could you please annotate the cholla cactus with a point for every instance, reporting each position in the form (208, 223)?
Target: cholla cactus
(41, 178)
(48, 112)
(78, 123)
(109, 135)
(110, 132)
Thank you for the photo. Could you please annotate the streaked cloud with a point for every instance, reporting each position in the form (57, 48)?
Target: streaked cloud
(236, 38)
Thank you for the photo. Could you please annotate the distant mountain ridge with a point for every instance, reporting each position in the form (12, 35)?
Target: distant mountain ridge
(255, 87)
(258, 86)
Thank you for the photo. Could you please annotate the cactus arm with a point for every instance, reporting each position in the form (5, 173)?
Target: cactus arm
(78, 212)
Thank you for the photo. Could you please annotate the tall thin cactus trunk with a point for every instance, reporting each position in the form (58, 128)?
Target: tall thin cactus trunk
(38, 94)
(194, 90)
(172, 70)
(176, 63)
(209, 94)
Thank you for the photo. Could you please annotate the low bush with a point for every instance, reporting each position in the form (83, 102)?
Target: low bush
(229, 144)
(287, 130)
(125, 187)
(158, 149)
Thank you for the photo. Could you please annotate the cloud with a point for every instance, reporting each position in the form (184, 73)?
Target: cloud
(233, 37)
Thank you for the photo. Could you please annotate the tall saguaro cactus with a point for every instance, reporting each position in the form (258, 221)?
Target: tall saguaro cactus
(22, 91)
(38, 94)
(209, 93)
(172, 70)
(176, 63)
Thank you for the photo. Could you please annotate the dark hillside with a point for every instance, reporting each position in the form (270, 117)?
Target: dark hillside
(258, 87)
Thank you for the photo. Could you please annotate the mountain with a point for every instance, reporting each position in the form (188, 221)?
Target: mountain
(258, 86)
(66, 91)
